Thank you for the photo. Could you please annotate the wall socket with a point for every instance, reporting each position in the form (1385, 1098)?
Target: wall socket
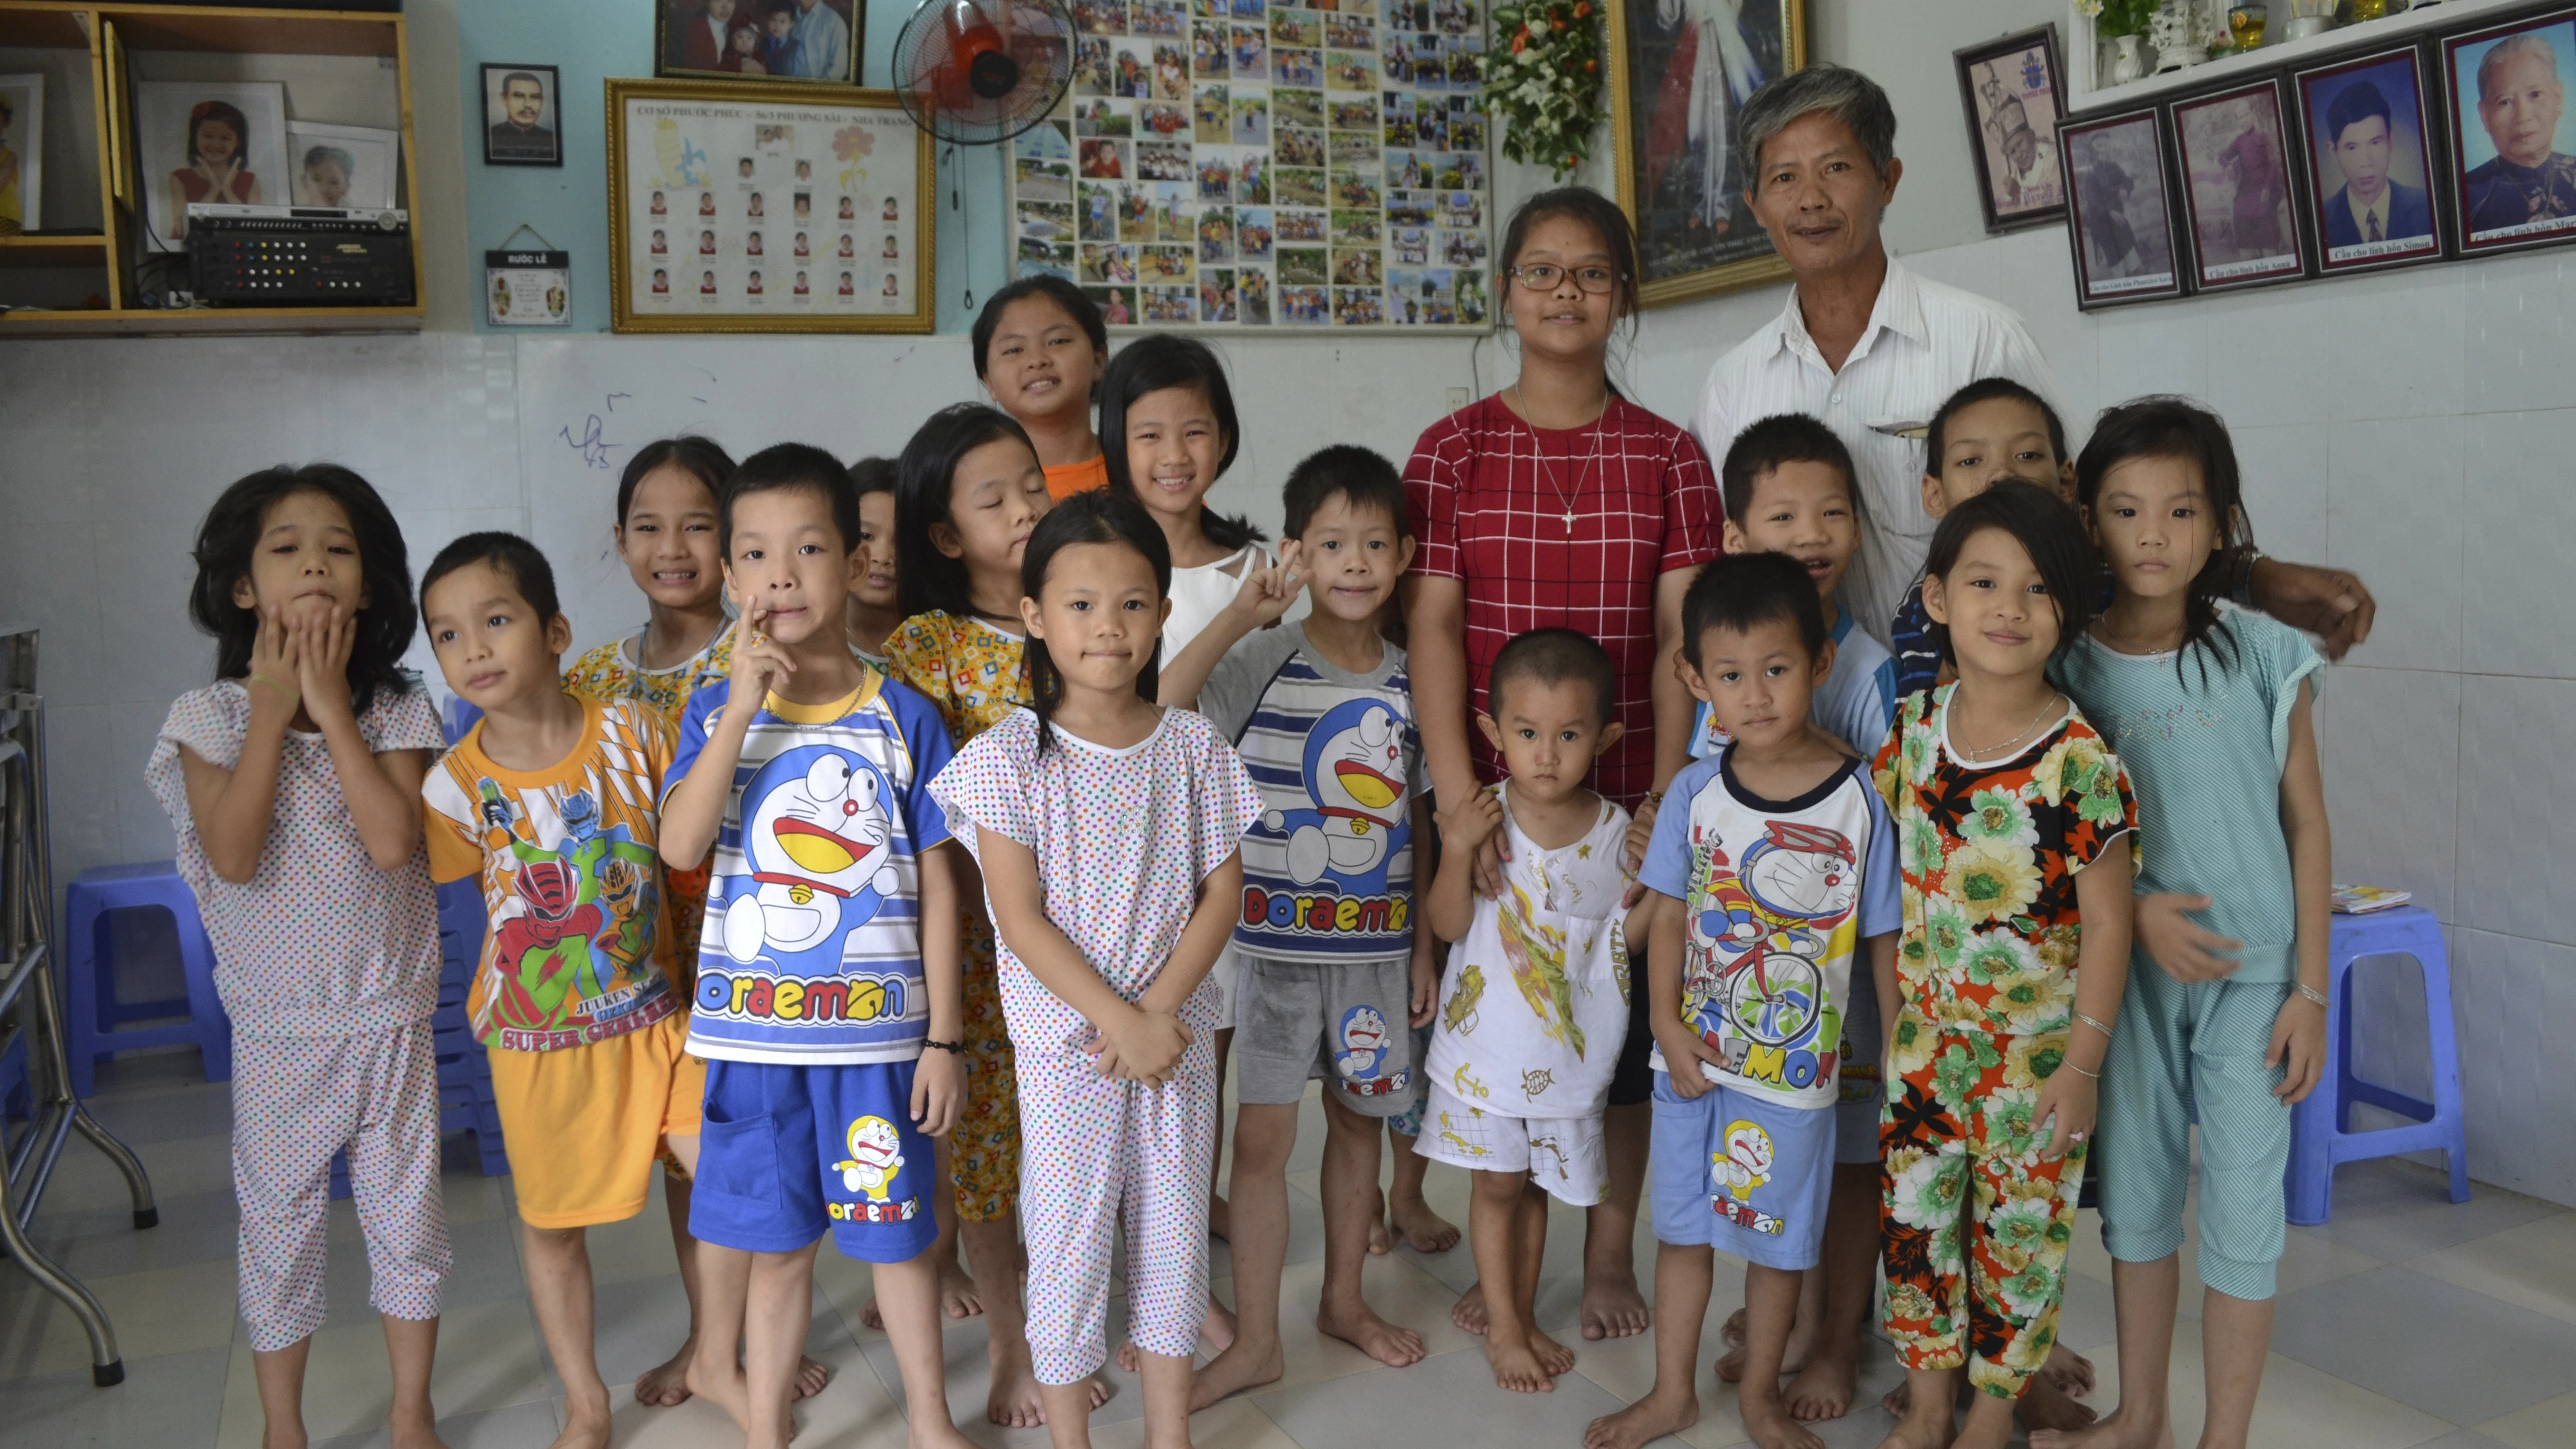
(1458, 398)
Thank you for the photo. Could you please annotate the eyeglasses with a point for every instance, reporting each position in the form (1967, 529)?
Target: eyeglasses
(1543, 276)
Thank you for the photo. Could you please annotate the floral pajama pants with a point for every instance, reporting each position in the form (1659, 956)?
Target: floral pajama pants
(297, 1100)
(984, 1147)
(1978, 1222)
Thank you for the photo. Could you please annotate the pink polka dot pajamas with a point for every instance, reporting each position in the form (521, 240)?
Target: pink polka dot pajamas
(1123, 839)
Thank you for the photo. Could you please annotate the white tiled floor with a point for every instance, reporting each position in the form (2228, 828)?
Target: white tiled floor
(2460, 1321)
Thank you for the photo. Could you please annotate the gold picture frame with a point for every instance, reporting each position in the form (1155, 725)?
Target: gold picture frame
(843, 165)
(1647, 41)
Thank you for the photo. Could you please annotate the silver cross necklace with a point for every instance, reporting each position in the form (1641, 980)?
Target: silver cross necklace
(1549, 474)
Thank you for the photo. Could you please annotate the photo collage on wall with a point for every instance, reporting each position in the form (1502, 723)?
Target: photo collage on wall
(738, 209)
(1253, 163)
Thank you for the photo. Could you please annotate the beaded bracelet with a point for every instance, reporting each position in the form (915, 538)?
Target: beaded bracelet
(956, 1048)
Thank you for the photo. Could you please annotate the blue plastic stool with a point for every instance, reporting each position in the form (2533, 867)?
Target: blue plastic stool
(90, 982)
(2321, 1135)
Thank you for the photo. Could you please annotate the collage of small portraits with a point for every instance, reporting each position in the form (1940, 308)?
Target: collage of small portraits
(766, 216)
(1261, 164)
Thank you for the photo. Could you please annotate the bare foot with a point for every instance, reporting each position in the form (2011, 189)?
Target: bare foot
(1518, 1367)
(2047, 1406)
(1218, 1327)
(585, 1427)
(1238, 1368)
(1651, 1417)
(1793, 1357)
(1364, 1330)
(2116, 1430)
(1824, 1388)
(668, 1384)
(1014, 1402)
(1379, 1244)
(1553, 1356)
(1131, 1359)
(1933, 1432)
(1424, 1230)
(811, 1378)
(726, 1390)
(958, 1297)
(1897, 1401)
(2068, 1370)
(1220, 1218)
(1469, 1311)
(1612, 1307)
(1768, 1423)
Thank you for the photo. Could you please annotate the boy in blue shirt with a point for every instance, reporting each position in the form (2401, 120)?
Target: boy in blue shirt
(828, 963)
(1771, 871)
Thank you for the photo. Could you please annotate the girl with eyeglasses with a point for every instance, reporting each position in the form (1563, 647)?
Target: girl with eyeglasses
(1558, 503)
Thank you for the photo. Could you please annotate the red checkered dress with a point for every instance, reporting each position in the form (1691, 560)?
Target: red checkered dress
(1485, 513)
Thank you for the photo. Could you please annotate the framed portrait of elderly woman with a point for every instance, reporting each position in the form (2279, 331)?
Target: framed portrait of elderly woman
(766, 208)
(2513, 145)
(2368, 147)
(815, 42)
(2120, 213)
(2234, 153)
(2015, 93)
(1680, 72)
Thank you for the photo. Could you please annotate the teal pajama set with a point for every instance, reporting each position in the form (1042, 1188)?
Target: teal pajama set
(2205, 736)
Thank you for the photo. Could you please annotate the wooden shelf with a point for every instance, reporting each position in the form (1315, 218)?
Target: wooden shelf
(53, 251)
(195, 321)
(2405, 27)
(256, 32)
(44, 28)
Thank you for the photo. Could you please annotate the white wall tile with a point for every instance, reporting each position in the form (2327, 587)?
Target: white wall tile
(2393, 345)
(2517, 808)
(2287, 488)
(2394, 519)
(80, 760)
(2395, 827)
(2032, 279)
(2270, 359)
(2520, 330)
(2519, 512)
(2507, 993)
(2154, 349)
(49, 577)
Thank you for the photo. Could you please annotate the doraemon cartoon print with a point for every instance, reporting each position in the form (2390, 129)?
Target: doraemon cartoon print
(876, 1158)
(818, 844)
(1361, 1053)
(1362, 813)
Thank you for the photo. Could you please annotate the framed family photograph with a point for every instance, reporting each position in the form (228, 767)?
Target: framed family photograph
(2369, 163)
(2120, 210)
(2235, 157)
(2015, 93)
(220, 142)
(766, 208)
(349, 166)
(1679, 71)
(522, 122)
(816, 42)
(2513, 145)
(22, 153)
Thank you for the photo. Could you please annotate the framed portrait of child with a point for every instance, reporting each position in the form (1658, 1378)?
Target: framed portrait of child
(216, 142)
(345, 166)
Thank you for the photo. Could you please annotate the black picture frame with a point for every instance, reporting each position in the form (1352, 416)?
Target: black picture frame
(2120, 205)
(505, 141)
(2477, 191)
(2220, 140)
(2399, 78)
(681, 51)
(1997, 103)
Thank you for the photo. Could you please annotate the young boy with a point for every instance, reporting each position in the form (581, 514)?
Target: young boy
(1771, 868)
(1335, 967)
(1994, 428)
(1788, 486)
(1520, 1076)
(551, 800)
(827, 990)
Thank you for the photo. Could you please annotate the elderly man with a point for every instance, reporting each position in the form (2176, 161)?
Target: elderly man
(2520, 98)
(517, 136)
(1873, 349)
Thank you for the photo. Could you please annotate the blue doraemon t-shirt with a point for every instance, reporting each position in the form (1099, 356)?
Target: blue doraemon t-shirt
(811, 951)
(1328, 868)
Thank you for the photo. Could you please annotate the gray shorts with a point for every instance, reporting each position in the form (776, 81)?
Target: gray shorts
(1294, 1022)
(1863, 1085)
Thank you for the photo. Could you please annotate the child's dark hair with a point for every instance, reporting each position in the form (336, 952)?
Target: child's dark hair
(1099, 515)
(1776, 440)
(507, 553)
(1988, 389)
(1362, 476)
(1556, 656)
(785, 467)
(230, 535)
(1594, 210)
(2172, 427)
(925, 476)
(2047, 530)
(1084, 312)
(700, 457)
(871, 475)
(1151, 363)
(1743, 591)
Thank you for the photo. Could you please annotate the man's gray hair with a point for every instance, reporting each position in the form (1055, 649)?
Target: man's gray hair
(1839, 91)
(2526, 43)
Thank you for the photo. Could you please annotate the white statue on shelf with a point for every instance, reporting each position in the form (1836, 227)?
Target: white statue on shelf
(2173, 32)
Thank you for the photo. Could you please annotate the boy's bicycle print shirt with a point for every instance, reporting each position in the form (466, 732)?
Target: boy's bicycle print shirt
(569, 857)
(811, 951)
(1989, 854)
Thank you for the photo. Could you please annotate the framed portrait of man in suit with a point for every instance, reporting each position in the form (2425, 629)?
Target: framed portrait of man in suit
(2513, 144)
(2368, 153)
